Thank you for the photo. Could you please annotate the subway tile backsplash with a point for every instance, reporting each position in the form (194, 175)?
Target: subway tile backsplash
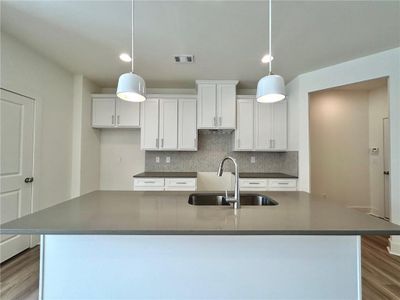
(212, 147)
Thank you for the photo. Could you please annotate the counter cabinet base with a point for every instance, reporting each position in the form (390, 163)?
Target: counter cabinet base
(200, 267)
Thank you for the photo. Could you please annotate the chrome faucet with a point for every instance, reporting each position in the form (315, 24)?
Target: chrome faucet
(236, 198)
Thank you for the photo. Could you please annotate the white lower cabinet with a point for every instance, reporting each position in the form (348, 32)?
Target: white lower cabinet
(180, 184)
(262, 184)
(165, 184)
(148, 184)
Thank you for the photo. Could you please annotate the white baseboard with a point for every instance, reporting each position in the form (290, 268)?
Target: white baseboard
(364, 209)
(394, 245)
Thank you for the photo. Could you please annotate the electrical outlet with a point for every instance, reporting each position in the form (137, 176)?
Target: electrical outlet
(157, 159)
(253, 159)
(168, 159)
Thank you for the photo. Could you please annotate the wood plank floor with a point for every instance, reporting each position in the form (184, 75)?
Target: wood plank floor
(19, 276)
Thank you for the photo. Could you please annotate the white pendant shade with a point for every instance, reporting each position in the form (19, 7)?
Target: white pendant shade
(131, 87)
(270, 89)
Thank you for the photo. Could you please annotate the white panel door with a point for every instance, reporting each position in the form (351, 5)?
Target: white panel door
(207, 106)
(168, 124)
(187, 131)
(149, 132)
(127, 114)
(226, 106)
(263, 126)
(280, 126)
(386, 166)
(103, 112)
(16, 166)
(244, 133)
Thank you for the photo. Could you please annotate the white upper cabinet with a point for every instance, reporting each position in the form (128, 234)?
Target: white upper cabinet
(127, 114)
(279, 136)
(149, 132)
(226, 105)
(263, 126)
(103, 112)
(169, 124)
(260, 126)
(108, 111)
(244, 134)
(216, 107)
(187, 139)
(207, 105)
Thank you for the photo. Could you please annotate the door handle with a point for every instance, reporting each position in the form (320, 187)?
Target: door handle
(386, 172)
(28, 179)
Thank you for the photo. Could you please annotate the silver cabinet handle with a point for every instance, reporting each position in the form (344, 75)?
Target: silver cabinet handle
(149, 181)
(220, 121)
(162, 143)
(156, 142)
(283, 183)
(254, 183)
(112, 119)
(117, 120)
(181, 182)
(215, 121)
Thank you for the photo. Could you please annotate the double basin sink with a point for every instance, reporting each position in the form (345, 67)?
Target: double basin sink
(218, 199)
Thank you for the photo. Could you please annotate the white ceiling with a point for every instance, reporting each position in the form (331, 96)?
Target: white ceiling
(227, 38)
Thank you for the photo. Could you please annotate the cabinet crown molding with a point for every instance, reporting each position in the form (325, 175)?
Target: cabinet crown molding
(235, 82)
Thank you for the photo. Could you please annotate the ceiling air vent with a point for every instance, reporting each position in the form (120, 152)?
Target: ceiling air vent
(184, 59)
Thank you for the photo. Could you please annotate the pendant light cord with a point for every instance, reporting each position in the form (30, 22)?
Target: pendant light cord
(270, 37)
(132, 35)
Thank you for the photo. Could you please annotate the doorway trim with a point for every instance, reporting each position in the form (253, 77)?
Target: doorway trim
(380, 65)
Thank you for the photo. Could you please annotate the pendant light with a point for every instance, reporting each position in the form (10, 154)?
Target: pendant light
(270, 88)
(131, 87)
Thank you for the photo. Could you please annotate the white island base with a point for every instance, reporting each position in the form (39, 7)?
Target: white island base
(200, 267)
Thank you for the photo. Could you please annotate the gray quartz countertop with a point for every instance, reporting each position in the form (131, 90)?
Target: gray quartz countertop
(166, 175)
(266, 175)
(168, 213)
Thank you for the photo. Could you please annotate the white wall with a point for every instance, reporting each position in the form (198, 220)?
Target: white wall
(378, 109)
(27, 72)
(339, 141)
(120, 158)
(86, 140)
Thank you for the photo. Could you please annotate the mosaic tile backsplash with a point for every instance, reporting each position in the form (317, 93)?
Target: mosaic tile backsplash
(213, 146)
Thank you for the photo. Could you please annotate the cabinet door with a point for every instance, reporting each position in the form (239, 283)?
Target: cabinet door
(149, 133)
(127, 114)
(280, 126)
(168, 124)
(263, 126)
(244, 133)
(226, 106)
(103, 112)
(207, 105)
(187, 131)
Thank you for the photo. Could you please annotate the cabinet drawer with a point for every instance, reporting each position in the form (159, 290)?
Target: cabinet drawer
(149, 182)
(180, 184)
(253, 183)
(283, 183)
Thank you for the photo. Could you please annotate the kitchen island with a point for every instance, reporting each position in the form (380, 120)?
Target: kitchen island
(154, 245)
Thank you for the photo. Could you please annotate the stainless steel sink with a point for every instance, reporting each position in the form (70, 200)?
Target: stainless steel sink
(218, 199)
